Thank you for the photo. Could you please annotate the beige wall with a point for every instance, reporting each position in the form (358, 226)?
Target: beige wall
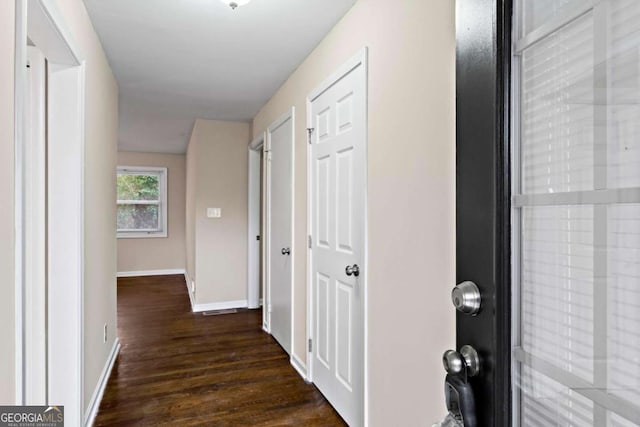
(190, 203)
(7, 303)
(411, 195)
(217, 162)
(101, 138)
(162, 253)
(100, 157)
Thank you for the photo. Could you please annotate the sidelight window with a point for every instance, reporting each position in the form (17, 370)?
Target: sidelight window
(576, 216)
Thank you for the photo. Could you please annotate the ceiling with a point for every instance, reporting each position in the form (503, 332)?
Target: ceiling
(178, 60)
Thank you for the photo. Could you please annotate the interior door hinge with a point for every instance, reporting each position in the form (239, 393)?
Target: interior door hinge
(310, 345)
(310, 242)
(310, 132)
(258, 238)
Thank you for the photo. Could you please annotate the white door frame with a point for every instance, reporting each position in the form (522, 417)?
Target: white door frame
(255, 208)
(42, 23)
(291, 114)
(34, 263)
(361, 58)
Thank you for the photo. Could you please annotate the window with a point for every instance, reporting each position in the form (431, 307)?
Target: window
(577, 213)
(142, 202)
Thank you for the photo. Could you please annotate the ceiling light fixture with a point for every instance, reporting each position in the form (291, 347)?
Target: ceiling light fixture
(233, 4)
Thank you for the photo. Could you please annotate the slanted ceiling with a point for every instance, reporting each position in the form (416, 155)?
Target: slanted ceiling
(178, 60)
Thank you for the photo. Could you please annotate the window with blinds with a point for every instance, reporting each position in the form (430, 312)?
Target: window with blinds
(576, 216)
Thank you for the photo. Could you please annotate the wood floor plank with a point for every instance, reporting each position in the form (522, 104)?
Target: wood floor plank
(178, 368)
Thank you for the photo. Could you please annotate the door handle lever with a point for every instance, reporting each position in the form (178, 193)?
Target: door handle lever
(286, 251)
(352, 270)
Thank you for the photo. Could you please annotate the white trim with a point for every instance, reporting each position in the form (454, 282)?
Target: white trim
(20, 124)
(266, 231)
(361, 58)
(563, 18)
(222, 305)
(40, 21)
(66, 238)
(289, 115)
(515, 217)
(299, 366)
(365, 64)
(141, 170)
(253, 219)
(590, 197)
(187, 281)
(258, 142)
(280, 121)
(151, 272)
(139, 202)
(142, 235)
(343, 70)
(34, 223)
(293, 226)
(46, 27)
(309, 249)
(96, 398)
(82, 83)
(163, 175)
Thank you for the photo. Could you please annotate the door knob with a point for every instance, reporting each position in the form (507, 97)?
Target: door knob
(452, 362)
(286, 251)
(467, 359)
(353, 270)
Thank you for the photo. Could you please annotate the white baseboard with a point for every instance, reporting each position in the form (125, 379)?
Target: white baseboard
(96, 398)
(223, 305)
(299, 366)
(187, 280)
(150, 272)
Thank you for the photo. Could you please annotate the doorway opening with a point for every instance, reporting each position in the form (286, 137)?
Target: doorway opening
(279, 248)
(49, 214)
(337, 226)
(256, 287)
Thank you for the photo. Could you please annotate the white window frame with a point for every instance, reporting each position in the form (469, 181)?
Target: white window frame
(162, 203)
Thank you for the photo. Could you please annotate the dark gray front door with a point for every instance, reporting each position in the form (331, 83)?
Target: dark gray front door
(482, 213)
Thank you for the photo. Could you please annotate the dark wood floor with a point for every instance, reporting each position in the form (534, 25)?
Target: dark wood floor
(184, 369)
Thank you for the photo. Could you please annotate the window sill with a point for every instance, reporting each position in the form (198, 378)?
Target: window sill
(142, 235)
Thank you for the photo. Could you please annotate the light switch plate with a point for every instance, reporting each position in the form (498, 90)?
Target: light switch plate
(214, 212)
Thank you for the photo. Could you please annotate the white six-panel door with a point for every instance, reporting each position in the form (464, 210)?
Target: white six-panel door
(338, 196)
(280, 157)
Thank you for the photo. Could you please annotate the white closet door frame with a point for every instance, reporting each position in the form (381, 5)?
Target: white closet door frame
(255, 209)
(35, 346)
(42, 23)
(360, 58)
(289, 115)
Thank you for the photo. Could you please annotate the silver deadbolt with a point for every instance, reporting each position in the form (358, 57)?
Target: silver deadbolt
(352, 270)
(455, 362)
(466, 298)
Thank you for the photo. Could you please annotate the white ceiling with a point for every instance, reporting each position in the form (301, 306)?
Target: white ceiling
(178, 60)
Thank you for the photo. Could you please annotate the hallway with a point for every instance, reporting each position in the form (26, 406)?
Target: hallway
(181, 368)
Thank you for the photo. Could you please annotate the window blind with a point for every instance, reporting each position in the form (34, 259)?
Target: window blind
(577, 275)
